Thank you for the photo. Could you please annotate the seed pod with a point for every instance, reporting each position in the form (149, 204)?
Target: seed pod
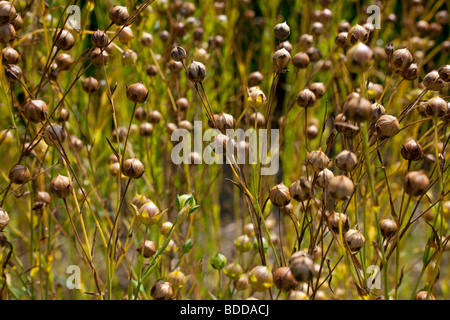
(285, 45)
(132, 168)
(356, 34)
(444, 73)
(305, 41)
(401, 59)
(341, 39)
(422, 295)
(13, 73)
(43, 197)
(249, 229)
(358, 110)
(129, 57)
(121, 133)
(63, 61)
(282, 31)
(35, 111)
(306, 98)
(359, 58)
(283, 279)
(99, 57)
(177, 279)
(100, 39)
(433, 82)
(90, 85)
(260, 278)
(412, 72)
(281, 59)
(302, 266)
(137, 93)
(145, 129)
(435, 30)
(377, 111)
(7, 12)
(11, 56)
(336, 219)
(242, 283)
(411, 150)
(171, 127)
(185, 124)
(389, 49)
(114, 169)
(196, 71)
(17, 22)
(7, 33)
(256, 97)
(312, 132)
(119, 15)
(64, 40)
(138, 200)
(149, 213)
(154, 117)
(243, 243)
(317, 161)
(341, 187)
(146, 39)
(279, 195)
(178, 54)
(346, 161)
(54, 135)
(388, 227)
(317, 29)
(140, 114)
(344, 26)
(301, 60)
(161, 290)
(151, 70)
(61, 186)
(175, 66)
(255, 79)
(441, 17)
(387, 126)
(19, 174)
(225, 121)
(355, 240)
(4, 219)
(324, 177)
(165, 228)
(436, 107)
(416, 183)
(147, 249)
(125, 35)
(300, 190)
(233, 271)
(318, 89)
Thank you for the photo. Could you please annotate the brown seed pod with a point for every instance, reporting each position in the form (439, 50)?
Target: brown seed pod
(242, 283)
(318, 88)
(388, 227)
(355, 240)
(137, 93)
(282, 31)
(7, 33)
(129, 57)
(182, 104)
(187, 9)
(17, 22)
(259, 118)
(435, 30)
(279, 195)
(43, 197)
(281, 59)
(285, 45)
(147, 249)
(146, 39)
(225, 121)
(411, 150)
(164, 35)
(76, 143)
(301, 60)
(63, 61)
(64, 39)
(178, 54)
(305, 41)
(171, 127)
(346, 161)
(324, 177)
(314, 54)
(140, 114)
(341, 188)
(145, 129)
(154, 117)
(358, 109)
(436, 107)
(198, 33)
(177, 279)
(284, 280)
(175, 66)
(356, 34)
(341, 39)
(35, 111)
(100, 39)
(61, 186)
(433, 81)
(125, 35)
(359, 58)
(306, 98)
(387, 126)
(422, 27)
(196, 71)
(151, 70)
(401, 59)
(132, 168)
(161, 290)
(422, 295)
(312, 131)
(377, 111)
(444, 73)
(11, 56)
(416, 183)
(19, 174)
(317, 160)
(441, 17)
(300, 190)
(90, 85)
(260, 278)
(4, 219)
(185, 124)
(412, 72)
(255, 79)
(119, 15)
(99, 57)
(7, 12)
(233, 271)
(336, 219)
(54, 135)
(317, 28)
(13, 73)
(302, 266)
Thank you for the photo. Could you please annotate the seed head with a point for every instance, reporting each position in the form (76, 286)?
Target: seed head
(119, 15)
(357, 33)
(125, 35)
(317, 160)
(256, 97)
(19, 174)
(358, 109)
(359, 58)
(132, 168)
(196, 71)
(154, 117)
(416, 183)
(178, 54)
(61, 186)
(7, 33)
(54, 135)
(161, 290)
(433, 81)
(444, 73)
(64, 40)
(233, 271)
(341, 187)
(336, 219)
(243, 243)
(99, 57)
(7, 12)
(355, 240)
(255, 79)
(137, 93)
(225, 121)
(90, 85)
(412, 72)
(260, 278)
(422, 295)
(177, 279)
(300, 190)
(301, 60)
(341, 39)
(35, 111)
(282, 31)
(242, 283)
(346, 161)
(147, 249)
(11, 56)
(306, 98)
(63, 61)
(387, 126)
(302, 266)
(281, 59)
(151, 70)
(388, 227)
(100, 39)
(324, 177)
(305, 41)
(145, 129)
(284, 279)
(401, 59)
(149, 214)
(318, 88)
(4, 219)
(411, 150)
(279, 195)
